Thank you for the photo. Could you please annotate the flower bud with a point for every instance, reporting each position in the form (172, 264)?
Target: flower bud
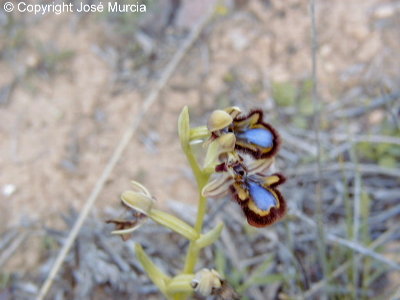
(221, 145)
(184, 128)
(206, 281)
(218, 120)
(138, 201)
(226, 143)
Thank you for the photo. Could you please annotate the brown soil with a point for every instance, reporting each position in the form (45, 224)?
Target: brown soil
(64, 118)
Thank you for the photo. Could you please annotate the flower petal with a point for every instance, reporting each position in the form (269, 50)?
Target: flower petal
(262, 197)
(140, 188)
(258, 136)
(254, 136)
(218, 186)
(233, 111)
(260, 218)
(259, 165)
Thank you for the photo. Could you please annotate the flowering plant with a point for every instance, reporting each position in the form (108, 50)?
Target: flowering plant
(239, 150)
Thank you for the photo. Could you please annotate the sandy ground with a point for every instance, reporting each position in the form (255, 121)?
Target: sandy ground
(59, 127)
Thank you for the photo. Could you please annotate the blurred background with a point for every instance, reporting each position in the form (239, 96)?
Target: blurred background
(71, 84)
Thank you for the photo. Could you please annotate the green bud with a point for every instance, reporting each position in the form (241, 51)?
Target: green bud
(137, 201)
(207, 281)
(184, 129)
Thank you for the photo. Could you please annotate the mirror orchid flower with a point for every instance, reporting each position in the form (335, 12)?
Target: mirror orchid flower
(253, 135)
(256, 193)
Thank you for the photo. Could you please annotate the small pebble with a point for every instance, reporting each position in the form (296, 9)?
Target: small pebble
(9, 189)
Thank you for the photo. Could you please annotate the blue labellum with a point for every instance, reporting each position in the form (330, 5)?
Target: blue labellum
(263, 198)
(258, 136)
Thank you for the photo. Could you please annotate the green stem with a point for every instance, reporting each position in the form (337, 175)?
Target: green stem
(191, 259)
(202, 206)
(198, 174)
(201, 179)
(186, 134)
(193, 252)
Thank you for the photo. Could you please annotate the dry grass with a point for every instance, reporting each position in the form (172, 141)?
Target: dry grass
(340, 242)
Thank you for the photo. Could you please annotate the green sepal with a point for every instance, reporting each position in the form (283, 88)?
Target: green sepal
(199, 133)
